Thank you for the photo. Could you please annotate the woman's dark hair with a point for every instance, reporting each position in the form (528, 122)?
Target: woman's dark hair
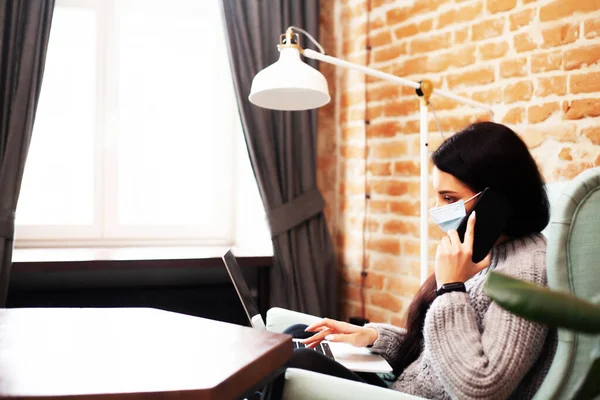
(483, 155)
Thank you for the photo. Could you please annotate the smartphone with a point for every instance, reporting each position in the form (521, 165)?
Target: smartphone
(492, 216)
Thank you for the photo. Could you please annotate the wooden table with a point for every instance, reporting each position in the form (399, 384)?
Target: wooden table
(132, 353)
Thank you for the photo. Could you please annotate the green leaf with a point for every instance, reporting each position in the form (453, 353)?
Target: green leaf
(540, 304)
(589, 386)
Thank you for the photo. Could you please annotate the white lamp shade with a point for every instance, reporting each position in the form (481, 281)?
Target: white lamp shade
(289, 85)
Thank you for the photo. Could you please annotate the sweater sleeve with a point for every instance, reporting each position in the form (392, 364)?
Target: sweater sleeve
(388, 341)
(488, 364)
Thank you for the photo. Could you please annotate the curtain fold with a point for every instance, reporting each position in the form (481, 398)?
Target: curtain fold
(283, 152)
(24, 33)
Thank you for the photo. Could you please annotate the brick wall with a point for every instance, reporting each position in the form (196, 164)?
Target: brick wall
(536, 62)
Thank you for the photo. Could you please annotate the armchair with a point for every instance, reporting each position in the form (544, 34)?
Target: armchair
(572, 265)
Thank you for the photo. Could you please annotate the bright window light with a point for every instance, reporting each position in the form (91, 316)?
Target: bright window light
(137, 133)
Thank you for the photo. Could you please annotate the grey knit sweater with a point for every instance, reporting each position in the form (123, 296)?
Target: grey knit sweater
(473, 349)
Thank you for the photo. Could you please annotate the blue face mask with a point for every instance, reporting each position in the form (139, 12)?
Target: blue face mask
(448, 217)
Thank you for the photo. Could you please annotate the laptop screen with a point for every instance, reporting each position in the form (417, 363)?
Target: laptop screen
(241, 287)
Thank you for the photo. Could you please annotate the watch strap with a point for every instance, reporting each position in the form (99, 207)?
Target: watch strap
(451, 287)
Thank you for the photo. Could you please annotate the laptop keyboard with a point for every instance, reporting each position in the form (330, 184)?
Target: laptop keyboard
(322, 348)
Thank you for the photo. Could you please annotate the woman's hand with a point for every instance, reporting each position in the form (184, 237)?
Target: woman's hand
(453, 260)
(336, 331)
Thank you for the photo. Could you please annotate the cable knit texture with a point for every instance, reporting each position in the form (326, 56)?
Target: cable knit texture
(473, 349)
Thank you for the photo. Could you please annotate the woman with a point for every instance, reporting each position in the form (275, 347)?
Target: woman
(459, 344)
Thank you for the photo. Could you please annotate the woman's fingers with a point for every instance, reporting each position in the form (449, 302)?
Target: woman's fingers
(317, 338)
(342, 327)
(470, 232)
(454, 239)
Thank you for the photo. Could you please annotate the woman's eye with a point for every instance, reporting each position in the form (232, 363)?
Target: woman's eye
(449, 199)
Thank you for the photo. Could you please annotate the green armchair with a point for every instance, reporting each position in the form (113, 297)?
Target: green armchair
(573, 265)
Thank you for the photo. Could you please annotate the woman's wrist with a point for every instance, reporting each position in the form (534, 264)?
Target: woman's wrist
(373, 335)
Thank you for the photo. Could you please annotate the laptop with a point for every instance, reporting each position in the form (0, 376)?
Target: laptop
(354, 358)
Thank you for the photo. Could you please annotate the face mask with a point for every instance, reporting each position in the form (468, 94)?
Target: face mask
(448, 217)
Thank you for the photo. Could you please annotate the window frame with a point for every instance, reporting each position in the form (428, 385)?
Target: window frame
(105, 230)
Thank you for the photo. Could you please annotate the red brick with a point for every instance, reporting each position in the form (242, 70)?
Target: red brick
(380, 168)
(372, 280)
(515, 115)
(565, 8)
(389, 187)
(565, 154)
(382, 129)
(380, 38)
(426, 25)
(354, 44)
(351, 98)
(585, 83)
(582, 108)
(400, 227)
(540, 113)
(518, 91)
(521, 18)
(411, 66)
(384, 245)
(562, 132)
(570, 171)
(349, 12)
(375, 315)
(406, 31)
(387, 150)
(386, 301)
(591, 28)
(374, 111)
(462, 35)
(353, 132)
(401, 108)
(467, 13)
(494, 6)
(490, 96)
(488, 29)
(405, 207)
(397, 15)
(524, 42)
(351, 115)
(430, 43)
(548, 86)
(378, 206)
(458, 57)
(582, 57)
(384, 91)
(593, 134)
(352, 151)
(560, 35)
(399, 321)
(389, 53)
(411, 126)
(532, 136)
(406, 168)
(403, 285)
(489, 51)
(378, 3)
(472, 77)
(543, 62)
(515, 67)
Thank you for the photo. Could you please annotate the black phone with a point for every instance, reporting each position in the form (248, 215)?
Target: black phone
(492, 215)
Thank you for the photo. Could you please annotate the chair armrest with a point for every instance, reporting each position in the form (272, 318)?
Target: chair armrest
(307, 385)
(279, 319)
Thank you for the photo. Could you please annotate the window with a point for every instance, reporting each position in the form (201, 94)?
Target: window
(137, 134)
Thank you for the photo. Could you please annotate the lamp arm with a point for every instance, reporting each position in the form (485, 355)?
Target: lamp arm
(309, 53)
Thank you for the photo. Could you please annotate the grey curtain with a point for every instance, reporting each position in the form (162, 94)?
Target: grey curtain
(283, 153)
(24, 32)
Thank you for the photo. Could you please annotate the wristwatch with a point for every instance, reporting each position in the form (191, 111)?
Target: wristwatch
(451, 287)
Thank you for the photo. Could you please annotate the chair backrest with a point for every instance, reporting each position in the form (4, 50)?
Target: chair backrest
(573, 265)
